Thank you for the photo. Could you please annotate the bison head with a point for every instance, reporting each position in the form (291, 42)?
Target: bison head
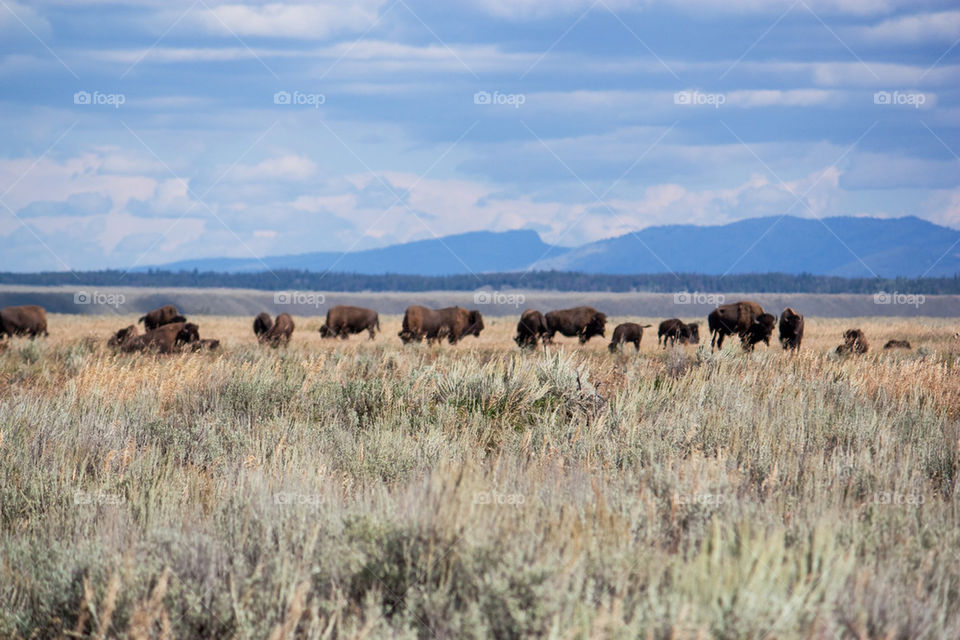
(691, 333)
(122, 336)
(476, 323)
(189, 333)
(596, 327)
(324, 331)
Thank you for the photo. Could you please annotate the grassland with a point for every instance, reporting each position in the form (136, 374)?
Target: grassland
(366, 489)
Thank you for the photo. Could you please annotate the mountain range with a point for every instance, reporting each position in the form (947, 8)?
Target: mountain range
(839, 246)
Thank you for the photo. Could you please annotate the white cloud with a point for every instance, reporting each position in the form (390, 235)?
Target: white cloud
(942, 26)
(288, 167)
(314, 20)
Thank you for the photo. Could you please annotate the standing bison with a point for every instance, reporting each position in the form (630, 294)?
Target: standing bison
(791, 329)
(28, 320)
(453, 323)
(167, 314)
(261, 324)
(759, 331)
(675, 331)
(854, 341)
(735, 318)
(627, 332)
(530, 329)
(280, 332)
(582, 322)
(344, 320)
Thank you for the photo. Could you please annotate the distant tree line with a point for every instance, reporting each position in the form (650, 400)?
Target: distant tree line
(536, 280)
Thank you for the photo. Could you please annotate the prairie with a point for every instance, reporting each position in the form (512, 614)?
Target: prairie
(364, 489)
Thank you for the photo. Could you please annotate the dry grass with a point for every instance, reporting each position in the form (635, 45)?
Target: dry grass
(366, 489)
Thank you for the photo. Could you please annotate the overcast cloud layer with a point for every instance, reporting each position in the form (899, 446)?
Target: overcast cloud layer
(154, 131)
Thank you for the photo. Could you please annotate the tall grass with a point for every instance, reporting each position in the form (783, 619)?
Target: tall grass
(370, 490)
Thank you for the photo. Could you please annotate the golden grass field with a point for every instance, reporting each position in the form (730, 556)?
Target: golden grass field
(364, 489)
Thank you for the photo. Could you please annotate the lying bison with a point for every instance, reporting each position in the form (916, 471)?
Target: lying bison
(735, 318)
(452, 323)
(627, 332)
(344, 320)
(760, 331)
(280, 332)
(582, 322)
(167, 314)
(28, 320)
(897, 344)
(854, 341)
(168, 338)
(791, 329)
(122, 336)
(675, 331)
(262, 323)
(530, 329)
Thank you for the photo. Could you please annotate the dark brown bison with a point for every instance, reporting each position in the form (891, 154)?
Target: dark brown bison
(28, 320)
(122, 336)
(854, 341)
(675, 330)
(344, 320)
(897, 344)
(281, 331)
(627, 332)
(530, 329)
(735, 318)
(759, 331)
(262, 323)
(791, 329)
(168, 338)
(453, 323)
(205, 344)
(167, 314)
(583, 322)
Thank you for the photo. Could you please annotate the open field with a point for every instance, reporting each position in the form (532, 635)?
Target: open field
(366, 489)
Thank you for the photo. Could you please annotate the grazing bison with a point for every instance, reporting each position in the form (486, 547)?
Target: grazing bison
(674, 329)
(583, 322)
(530, 329)
(735, 318)
(434, 324)
(28, 320)
(759, 331)
(167, 338)
(167, 314)
(122, 336)
(627, 332)
(854, 341)
(791, 329)
(262, 323)
(897, 344)
(280, 332)
(344, 320)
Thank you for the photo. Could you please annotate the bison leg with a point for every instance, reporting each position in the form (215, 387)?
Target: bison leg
(636, 343)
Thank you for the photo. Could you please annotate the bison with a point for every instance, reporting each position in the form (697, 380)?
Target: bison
(167, 338)
(434, 324)
(530, 329)
(897, 344)
(583, 322)
(627, 332)
(167, 314)
(344, 320)
(122, 336)
(791, 329)
(674, 329)
(28, 320)
(205, 344)
(280, 332)
(735, 318)
(261, 324)
(854, 341)
(759, 331)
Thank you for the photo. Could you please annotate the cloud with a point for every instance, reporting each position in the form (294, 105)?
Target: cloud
(291, 167)
(942, 26)
(313, 20)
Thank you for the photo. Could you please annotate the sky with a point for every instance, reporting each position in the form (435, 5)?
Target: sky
(135, 134)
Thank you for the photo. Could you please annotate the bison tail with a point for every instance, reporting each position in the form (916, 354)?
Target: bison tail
(646, 326)
(142, 318)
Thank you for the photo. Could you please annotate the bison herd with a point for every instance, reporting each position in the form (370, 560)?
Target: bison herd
(167, 331)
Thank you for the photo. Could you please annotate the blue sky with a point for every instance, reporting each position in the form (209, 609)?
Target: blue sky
(141, 133)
